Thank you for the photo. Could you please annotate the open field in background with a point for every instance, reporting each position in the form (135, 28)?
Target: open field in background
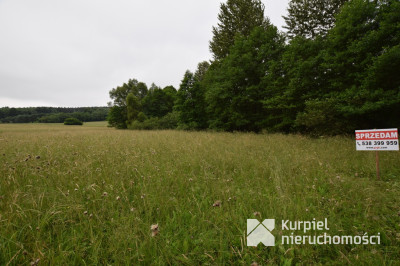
(88, 195)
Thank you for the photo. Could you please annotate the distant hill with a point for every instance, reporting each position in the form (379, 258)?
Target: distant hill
(51, 114)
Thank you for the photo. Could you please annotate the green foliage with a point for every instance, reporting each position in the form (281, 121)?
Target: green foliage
(73, 121)
(133, 103)
(51, 114)
(117, 117)
(190, 101)
(337, 72)
(234, 98)
(321, 117)
(294, 78)
(159, 102)
(236, 18)
(120, 93)
(169, 121)
(133, 107)
(311, 18)
(141, 117)
(362, 51)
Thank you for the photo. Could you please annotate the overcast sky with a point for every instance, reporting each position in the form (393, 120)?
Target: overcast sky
(72, 52)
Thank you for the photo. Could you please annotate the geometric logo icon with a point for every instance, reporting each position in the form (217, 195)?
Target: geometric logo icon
(260, 232)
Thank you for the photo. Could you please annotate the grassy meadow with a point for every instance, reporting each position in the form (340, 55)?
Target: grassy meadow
(89, 195)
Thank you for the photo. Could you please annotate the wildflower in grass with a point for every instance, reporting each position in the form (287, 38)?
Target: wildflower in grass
(133, 209)
(217, 203)
(190, 179)
(143, 196)
(154, 230)
(105, 194)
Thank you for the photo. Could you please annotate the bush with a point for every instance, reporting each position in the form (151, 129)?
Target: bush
(73, 121)
(169, 121)
(322, 117)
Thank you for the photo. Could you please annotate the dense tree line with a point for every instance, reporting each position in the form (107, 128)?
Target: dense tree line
(335, 70)
(135, 105)
(51, 114)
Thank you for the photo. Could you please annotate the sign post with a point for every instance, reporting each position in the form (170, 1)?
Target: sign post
(377, 165)
(377, 140)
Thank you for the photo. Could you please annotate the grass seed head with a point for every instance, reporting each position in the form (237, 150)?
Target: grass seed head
(217, 203)
(154, 230)
(35, 262)
(154, 227)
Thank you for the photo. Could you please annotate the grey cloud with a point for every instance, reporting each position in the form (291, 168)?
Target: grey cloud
(71, 53)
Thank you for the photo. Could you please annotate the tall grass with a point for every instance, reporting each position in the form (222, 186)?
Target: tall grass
(88, 195)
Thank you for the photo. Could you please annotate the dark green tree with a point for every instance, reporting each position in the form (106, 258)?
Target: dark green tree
(170, 97)
(118, 116)
(293, 79)
(133, 107)
(190, 102)
(236, 93)
(73, 121)
(141, 90)
(158, 102)
(236, 17)
(119, 94)
(359, 60)
(311, 18)
(201, 71)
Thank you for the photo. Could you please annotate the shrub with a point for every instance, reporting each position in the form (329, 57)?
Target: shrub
(72, 121)
(169, 121)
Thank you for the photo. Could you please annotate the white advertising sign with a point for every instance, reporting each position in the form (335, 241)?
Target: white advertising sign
(377, 140)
